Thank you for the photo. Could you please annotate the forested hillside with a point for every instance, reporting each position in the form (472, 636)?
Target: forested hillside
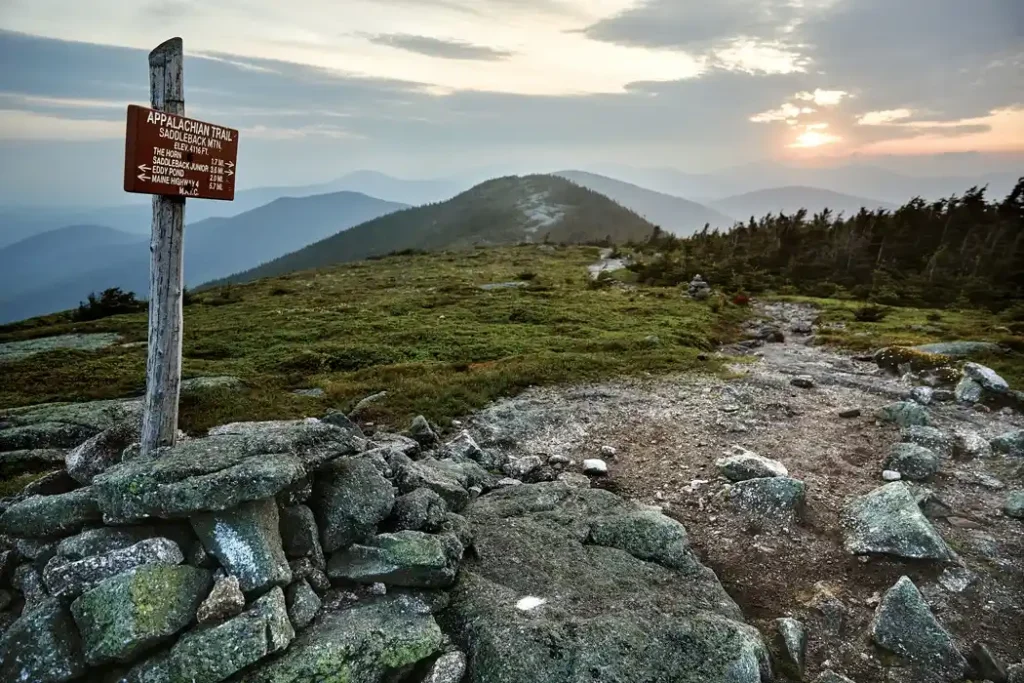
(965, 250)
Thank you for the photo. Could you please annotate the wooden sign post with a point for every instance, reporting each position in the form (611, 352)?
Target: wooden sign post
(171, 157)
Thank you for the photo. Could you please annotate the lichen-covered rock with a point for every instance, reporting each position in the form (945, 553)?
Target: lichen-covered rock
(462, 446)
(407, 558)
(247, 543)
(774, 497)
(988, 378)
(422, 433)
(42, 646)
(912, 461)
(742, 465)
(15, 462)
(904, 625)
(300, 535)
(421, 510)
(94, 415)
(647, 535)
(303, 603)
(448, 668)
(366, 643)
(1014, 505)
(904, 414)
(314, 442)
(968, 391)
(225, 600)
(341, 420)
(969, 445)
(887, 521)
(132, 612)
(215, 653)
(350, 497)
(922, 395)
(44, 435)
(460, 526)
(43, 516)
(1010, 443)
(103, 540)
(447, 478)
(68, 579)
(102, 451)
(931, 438)
(535, 580)
(789, 641)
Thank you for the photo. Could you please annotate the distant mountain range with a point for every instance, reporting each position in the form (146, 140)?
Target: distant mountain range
(502, 211)
(673, 214)
(62, 267)
(789, 200)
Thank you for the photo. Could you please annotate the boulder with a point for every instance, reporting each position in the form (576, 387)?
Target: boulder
(132, 612)
(968, 391)
(103, 540)
(300, 535)
(537, 579)
(95, 416)
(913, 462)
(450, 478)
(367, 643)
(905, 626)
(742, 465)
(102, 451)
(929, 437)
(989, 380)
(647, 535)
(341, 420)
(448, 668)
(421, 510)
(315, 443)
(1014, 505)
(922, 395)
(780, 497)
(225, 600)
(247, 543)
(215, 653)
(408, 558)
(1010, 443)
(200, 475)
(422, 433)
(303, 604)
(969, 445)
(960, 349)
(41, 646)
(43, 516)
(904, 414)
(887, 521)
(44, 435)
(68, 579)
(464, 446)
(789, 643)
(13, 463)
(350, 497)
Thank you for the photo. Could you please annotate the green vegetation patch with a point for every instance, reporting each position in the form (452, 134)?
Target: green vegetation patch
(417, 326)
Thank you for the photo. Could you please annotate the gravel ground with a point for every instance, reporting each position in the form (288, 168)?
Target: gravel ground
(667, 432)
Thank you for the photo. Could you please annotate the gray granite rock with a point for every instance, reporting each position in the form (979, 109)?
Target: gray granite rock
(1011, 443)
(303, 604)
(887, 521)
(350, 497)
(47, 516)
(741, 465)
(789, 643)
(104, 450)
(913, 462)
(988, 378)
(247, 542)
(225, 600)
(904, 414)
(1014, 505)
(42, 646)
(300, 534)
(969, 445)
(968, 391)
(421, 510)
(408, 558)
(776, 497)
(68, 579)
(448, 668)
(929, 437)
(422, 433)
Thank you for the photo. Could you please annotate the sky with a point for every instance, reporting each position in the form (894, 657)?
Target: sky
(426, 88)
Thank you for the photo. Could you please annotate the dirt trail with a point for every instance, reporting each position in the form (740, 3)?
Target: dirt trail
(667, 433)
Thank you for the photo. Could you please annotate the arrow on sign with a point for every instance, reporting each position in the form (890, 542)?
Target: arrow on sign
(143, 168)
(230, 172)
(143, 177)
(231, 164)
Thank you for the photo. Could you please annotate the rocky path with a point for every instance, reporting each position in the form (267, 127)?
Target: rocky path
(815, 411)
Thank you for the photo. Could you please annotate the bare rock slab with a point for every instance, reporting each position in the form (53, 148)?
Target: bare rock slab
(69, 579)
(887, 521)
(247, 543)
(905, 626)
(408, 558)
(45, 516)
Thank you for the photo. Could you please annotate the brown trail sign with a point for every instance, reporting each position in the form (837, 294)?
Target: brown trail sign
(172, 155)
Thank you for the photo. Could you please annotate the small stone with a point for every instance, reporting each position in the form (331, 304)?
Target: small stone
(957, 579)
(913, 462)
(595, 467)
(968, 391)
(904, 625)
(904, 414)
(849, 413)
(609, 452)
(448, 668)
(1015, 674)
(742, 465)
(1010, 443)
(922, 395)
(559, 460)
(1014, 505)
(987, 378)
(423, 433)
(790, 645)
(943, 396)
(574, 480)
(891, 475)
(304, 569)
(507, 482)
(69, 579)
(421, 510)
(986, 665)
(520, 468)
(303, 604)
(802, 382)
(771, 497)
(969, 445)
(224, 601)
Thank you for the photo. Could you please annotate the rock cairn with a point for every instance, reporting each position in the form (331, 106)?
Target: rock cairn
(698, 289)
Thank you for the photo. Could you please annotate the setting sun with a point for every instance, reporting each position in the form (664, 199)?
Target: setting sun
(815, 138)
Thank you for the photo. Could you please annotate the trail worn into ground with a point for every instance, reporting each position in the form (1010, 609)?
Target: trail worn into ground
(661, 437)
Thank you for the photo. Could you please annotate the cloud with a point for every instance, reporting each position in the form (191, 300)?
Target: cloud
(823, 98)
(880, 118)
(30, 126)
(437, 47)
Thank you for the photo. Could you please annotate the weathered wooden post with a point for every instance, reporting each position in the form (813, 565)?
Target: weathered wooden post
(171, 157)
(163, 366)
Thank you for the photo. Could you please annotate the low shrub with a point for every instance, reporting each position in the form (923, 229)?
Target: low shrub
(110, 302)
(870, 313)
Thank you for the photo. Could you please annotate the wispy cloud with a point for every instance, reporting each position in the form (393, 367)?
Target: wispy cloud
(439, 47)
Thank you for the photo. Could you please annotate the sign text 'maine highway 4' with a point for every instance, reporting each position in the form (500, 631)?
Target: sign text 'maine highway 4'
(177, 156)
